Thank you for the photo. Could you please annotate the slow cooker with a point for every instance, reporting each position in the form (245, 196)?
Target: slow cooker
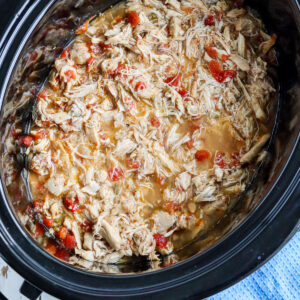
(264, 219)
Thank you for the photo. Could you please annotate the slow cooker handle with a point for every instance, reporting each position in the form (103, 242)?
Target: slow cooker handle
(30, 291)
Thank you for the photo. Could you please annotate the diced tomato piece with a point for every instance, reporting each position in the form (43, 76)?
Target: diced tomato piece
(133, 164)
(228, 74)
(213, 53)
(39, 230)
(62, 233)
(216, 71)
(37, 206)
(39, 135)
(70, 242)
(219, 159)
(129, 103)
(51, 247)
(62, 254)
(161, 180)
(103, 45)
(33, 56)
(87, 226)
(91, 60)
(219, 74)
(235, 160)
(171, 206)
(94, 48)
(209, 21)
(173, 80)
(133, 18)
(202, 155)
(48, 222)
(161, 241)
(194, 127)
(140, 85)
(155, 122)
(70, 74)
(190, 144)
(117, 71)
(25, 140)
(115, 173)
(70, 204)
(183, 92)
(224, 57)
(66, 53)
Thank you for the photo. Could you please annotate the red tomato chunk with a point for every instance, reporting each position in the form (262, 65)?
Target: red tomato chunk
(51, 247)
(70, 242)
(62, 254)
(161, 241)
(48, 222)
(155, 122)
(115, 173)
(70, 75)
(87, 226)
(62, 233)
(25, 140)
(140, 85)
(219, 74)
(219, 159)
(70, 204)
(39, 230)
(133, 18)
(209, 21)
(202, 155)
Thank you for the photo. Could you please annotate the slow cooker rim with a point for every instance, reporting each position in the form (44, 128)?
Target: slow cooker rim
(170, 268)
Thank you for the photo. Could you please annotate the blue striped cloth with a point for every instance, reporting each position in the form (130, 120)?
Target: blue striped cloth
(278, 279)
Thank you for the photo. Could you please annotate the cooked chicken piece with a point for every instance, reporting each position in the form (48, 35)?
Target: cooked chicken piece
(111, 234)
(88, 255)
(144, 243)
(124, 147)
(41, 163)
(253, 152)
(183, 180)
(241, 62)
(205, 188)
(237, 12)
(265, 47)
(75, 230)
(80, 53)
(186, 222)
(92, 188)
(88, 241)
(55, 210)
(55, 184)
(241, 45)
(175, 27)
(122, 38)
(163, 221)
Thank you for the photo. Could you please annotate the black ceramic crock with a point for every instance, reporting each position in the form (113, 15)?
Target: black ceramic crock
(254, 233)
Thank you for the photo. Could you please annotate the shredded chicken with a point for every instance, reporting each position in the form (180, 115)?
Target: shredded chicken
(148, 126)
